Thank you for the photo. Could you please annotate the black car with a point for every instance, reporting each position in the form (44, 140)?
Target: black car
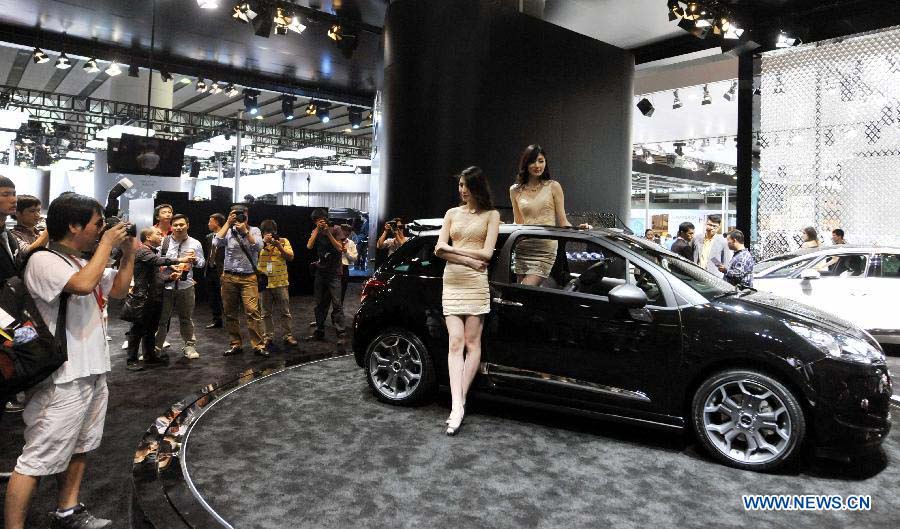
(627, 330)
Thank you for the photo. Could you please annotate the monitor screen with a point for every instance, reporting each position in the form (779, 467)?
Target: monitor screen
(145, 155)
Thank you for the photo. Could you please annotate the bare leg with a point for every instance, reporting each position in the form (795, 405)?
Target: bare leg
(70, 482)
(474, 326)
(19, 491)
(455, 362)
(530, 279)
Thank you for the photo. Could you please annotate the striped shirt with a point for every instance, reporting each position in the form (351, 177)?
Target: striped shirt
(274, 265)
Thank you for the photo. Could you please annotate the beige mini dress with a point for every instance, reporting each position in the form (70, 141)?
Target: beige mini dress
(465, 291)
(536, 256)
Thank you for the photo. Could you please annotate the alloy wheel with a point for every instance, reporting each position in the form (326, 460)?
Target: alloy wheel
(395, 367)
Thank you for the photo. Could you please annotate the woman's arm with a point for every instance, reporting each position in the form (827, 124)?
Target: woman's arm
(490, 241)
(517, 213)
(443, 247)
(559, 203)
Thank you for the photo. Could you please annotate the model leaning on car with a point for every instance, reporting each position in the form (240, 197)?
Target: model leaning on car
(632, 332)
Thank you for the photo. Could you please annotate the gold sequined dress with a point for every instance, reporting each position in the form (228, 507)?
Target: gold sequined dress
(465, 291)
(536, 256)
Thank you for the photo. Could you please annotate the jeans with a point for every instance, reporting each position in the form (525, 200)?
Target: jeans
(237, 289)
(214, 292)
(327, 291)
(144, 330)
(276, 301)
(180, 301)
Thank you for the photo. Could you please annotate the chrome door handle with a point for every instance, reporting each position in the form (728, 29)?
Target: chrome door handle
(501, 301)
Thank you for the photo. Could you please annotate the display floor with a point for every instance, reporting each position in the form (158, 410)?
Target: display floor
(312, 447)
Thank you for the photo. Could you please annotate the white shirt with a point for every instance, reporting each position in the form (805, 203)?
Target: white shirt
(178, 249)
(350, 254)
(45, 277)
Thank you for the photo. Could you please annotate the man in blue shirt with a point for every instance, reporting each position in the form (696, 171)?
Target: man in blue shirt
(241, 244)
(739, 271)
(178, 295)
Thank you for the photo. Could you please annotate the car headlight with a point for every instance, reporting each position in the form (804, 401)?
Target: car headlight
(839, 346)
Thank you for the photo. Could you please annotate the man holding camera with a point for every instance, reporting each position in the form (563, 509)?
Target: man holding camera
(276, 300)
(241, 243)
(327, 284)
(397, 237)
(65, 414)
(179, 294)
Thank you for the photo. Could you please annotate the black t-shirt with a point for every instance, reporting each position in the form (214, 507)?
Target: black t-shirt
(329, 257)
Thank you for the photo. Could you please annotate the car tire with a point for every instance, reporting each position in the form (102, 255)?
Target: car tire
(748, 419)
(399, 368)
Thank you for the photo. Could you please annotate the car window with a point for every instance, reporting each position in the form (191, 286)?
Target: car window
(842, 265)
(534, 261)
(787, 270)
(885, 265)
(646, 282)
(593, 269)
(416, 257)
(573, 265)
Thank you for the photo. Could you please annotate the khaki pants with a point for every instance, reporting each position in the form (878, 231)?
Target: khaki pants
(276, 309)
(237, 289)
(180, 301)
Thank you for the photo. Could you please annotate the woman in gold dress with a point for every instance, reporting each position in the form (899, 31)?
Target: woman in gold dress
(472, 228)
(536, 199)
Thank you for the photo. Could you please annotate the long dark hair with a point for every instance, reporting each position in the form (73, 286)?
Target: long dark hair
(811, 233)
(479, 190)
(528, 157)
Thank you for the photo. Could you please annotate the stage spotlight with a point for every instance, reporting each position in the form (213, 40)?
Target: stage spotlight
(323, 114)
(231, 91)
(243, 13)
(783, 41)
(676, 101)
(679, 148)
(729, 95)
(675, 10)
(287, 106)
(311, 108)
(201, 85)
(164, 74)
(706, 99)
(39, 57)
(336, 32)
(133, 70)
(91, 66)
(282, 21)
(113, 69)
(63, 62)
(693, 11)
(296, 26)
(214, 88)
(251, 106)
(646, 107)
(355, 117)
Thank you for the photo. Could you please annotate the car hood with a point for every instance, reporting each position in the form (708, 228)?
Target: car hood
(779, 306)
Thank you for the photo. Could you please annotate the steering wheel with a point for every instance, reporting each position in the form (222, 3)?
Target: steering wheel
(589, 277)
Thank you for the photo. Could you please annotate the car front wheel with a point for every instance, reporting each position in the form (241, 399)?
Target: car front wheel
(399, 368)
(748, 420)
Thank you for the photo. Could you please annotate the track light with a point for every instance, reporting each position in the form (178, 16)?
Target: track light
(693, 11)
(336, 32)
(729, 95)
(91, 66)
(39, 57)
(646, 107)
(675, 10)
(133, 70)
(323, 114)
(251, 106)
(296, 26)
(63, 62)
(679, 148)
(355, 116)
(676, 102)
(282, 20)
(243, 13)
(706, 99)
(113, 69)
(287, 106)
(208, 4)
(311, 108)
(214, 88)
(231, 91)
(201, 85)
(783, 41)
(164, 74)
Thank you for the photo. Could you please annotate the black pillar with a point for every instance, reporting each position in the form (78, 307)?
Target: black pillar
(471, 83)
(744, 143)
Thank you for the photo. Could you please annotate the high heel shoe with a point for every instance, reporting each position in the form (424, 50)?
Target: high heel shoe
(455, 423)
(451, 414)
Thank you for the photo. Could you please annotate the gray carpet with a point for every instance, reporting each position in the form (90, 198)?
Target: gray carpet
(311, 447)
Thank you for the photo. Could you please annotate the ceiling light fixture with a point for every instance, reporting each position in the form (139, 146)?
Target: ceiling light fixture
(39, 57)
(311, 108)
(113, 69)
(231, 90)
(676, 101)
(296, 26)
(323, 114)
(729, 95)
(336, 32)
(706, 99)
(675, 10)
(287, 106)
(251, 105)
(282, 21)
(214, 88)
(164, 74)
(243, 13)
(783, 41)
(63, 62)
(646, 107)
(133, 70)
(91, 66)
(201, 85)
(354, 115)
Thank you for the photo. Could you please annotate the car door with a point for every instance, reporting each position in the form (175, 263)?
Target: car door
(784, 279)
(880, 294)
(841, 279)
(565, 340)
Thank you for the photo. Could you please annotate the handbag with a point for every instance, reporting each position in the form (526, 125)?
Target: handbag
(133, 309)
(31, 352)
(262, 280)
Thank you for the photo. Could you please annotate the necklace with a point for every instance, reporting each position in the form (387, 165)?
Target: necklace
(532, 189)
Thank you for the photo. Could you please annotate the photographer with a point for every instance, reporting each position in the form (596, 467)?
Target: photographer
(146, 297)
(327, 283)
(65, 415)
(397, 237)
(241, 244)
(276, 299)
(179, 293)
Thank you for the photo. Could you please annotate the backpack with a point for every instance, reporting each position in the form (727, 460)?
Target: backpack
(29, 352)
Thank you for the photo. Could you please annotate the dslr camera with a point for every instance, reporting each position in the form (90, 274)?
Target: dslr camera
(130, 229)
(240, 214)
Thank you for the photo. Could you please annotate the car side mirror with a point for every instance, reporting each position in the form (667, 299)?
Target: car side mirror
(628, 296)
(810, 273)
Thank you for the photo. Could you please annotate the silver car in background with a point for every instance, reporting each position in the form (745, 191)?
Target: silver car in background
(860, 284)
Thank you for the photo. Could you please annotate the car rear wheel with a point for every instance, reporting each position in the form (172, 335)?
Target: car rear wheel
(399, 368)
(748, 420)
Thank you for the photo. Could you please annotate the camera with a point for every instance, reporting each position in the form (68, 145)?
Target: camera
(130, 229)
(240, 214)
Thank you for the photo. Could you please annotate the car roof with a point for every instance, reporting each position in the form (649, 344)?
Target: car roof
(835, 248)
(506, 229)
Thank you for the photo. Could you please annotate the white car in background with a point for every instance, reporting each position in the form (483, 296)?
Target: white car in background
(860, 284)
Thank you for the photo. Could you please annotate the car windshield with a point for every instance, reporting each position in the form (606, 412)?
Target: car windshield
(696, 278)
